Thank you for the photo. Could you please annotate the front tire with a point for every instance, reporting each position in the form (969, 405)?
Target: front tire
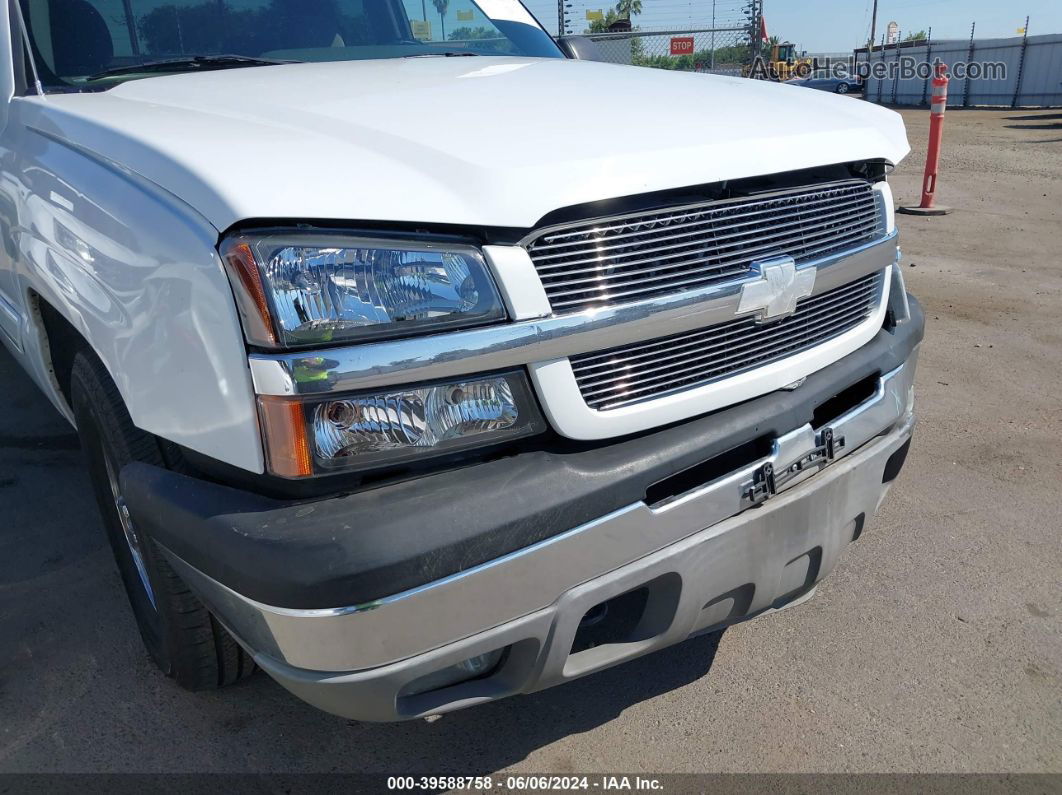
(843, 88)
(182, 637)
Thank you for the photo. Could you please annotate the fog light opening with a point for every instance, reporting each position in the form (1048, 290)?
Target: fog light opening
(478, 667)
(610, 622)
(595, 615)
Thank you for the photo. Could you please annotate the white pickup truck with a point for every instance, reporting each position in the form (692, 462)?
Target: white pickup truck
(420, 370)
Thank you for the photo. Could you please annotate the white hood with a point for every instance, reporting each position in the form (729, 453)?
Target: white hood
(482, 141)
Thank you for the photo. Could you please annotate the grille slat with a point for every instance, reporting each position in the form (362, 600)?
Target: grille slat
(696, 364)
(634, 373)
(733, 269)
(650, 349)
(748, 227)
(839, 316)
(729, 205)
(869, 222)
(635, 257)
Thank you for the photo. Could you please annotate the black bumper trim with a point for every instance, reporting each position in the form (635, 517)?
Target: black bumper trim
(356, 548)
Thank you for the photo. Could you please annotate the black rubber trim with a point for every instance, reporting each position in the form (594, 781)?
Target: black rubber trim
(360, 547)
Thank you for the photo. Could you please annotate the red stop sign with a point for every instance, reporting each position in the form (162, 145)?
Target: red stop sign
(682, 45)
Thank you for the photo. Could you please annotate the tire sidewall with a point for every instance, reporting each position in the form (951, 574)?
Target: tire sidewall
(98, 430)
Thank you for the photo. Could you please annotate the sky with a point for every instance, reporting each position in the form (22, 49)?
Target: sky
(835, 25)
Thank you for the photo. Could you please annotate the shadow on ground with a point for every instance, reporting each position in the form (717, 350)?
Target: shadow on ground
(1036, 117)
(1056, 126)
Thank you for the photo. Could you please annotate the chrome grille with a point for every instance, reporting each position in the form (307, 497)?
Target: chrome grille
(644, 371)
(627, 258)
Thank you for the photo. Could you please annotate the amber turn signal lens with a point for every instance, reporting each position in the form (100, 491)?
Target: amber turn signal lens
(256, 317)
(284, 427)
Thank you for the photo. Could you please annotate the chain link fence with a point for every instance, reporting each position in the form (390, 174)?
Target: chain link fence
(719, 50)
(719, 36)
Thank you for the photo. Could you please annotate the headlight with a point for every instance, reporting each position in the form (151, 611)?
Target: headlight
(299, 289)
(343, 432)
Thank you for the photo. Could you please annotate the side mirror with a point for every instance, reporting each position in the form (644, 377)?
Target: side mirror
(580, 48)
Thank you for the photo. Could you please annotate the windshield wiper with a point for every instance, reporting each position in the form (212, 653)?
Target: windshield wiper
(447, 54)
(188, 65)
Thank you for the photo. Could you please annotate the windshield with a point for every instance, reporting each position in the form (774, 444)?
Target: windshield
(91, 45)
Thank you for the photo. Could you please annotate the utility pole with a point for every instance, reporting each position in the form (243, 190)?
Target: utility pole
(754, 14)
(712, 67)
(873, 25)
(1021, 63)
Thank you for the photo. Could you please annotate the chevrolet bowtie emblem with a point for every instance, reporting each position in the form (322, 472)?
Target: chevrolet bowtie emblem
(776, 292)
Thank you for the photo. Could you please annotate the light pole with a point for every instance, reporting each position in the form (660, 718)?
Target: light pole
(873, 24)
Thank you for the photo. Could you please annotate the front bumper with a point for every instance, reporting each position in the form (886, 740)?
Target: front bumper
(761, 559)
(752, 540)
(348, 601)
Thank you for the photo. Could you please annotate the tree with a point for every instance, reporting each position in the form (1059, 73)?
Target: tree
(469, 34)
(441, 6)
(919, 36)
(602, 25)
(624, 9)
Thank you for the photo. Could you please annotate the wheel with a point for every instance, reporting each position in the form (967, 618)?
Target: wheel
(843, 88)
(184, 639)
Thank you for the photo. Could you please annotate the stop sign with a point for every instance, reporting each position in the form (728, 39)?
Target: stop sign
(682, 45)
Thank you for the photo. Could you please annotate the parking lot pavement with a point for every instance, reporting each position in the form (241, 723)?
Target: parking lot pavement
(936, 645)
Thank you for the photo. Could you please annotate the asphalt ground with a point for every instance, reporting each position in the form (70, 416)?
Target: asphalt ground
(935, 646)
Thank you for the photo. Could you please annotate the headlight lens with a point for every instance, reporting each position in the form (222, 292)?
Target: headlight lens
(337, 433)
(308, 289)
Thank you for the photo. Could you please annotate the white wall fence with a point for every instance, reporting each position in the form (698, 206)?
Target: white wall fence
(1033, 72)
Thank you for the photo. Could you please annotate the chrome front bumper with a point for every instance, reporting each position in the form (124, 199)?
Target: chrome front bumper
(773, 529)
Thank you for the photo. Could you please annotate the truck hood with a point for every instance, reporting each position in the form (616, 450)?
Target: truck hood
(480, 141)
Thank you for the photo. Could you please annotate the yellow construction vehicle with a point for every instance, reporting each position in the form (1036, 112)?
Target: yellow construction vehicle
(783, 63)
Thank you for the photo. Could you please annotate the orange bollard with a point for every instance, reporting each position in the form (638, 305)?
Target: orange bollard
(937, 106)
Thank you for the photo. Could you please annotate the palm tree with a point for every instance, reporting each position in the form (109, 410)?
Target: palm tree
(441, 6)
(624, 9)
